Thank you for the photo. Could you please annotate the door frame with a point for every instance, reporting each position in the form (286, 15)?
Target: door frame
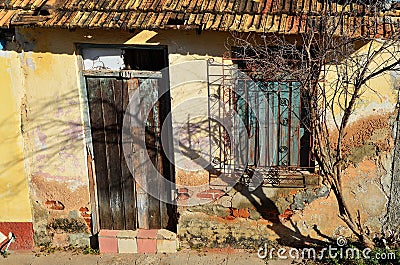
(83, 94)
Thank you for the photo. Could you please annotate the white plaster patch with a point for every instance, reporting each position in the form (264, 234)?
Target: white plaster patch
(102, 58)
(374, 108)
(5, 54)
(30, 63)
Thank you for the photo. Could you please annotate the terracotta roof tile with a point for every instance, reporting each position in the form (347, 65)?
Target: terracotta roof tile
(283, 16)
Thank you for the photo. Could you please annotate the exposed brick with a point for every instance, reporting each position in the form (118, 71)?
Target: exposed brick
(244, 213)
(285, 216)
(88, 222)
(204, 195)
(235, 212)
(183, 190)
(211, 194)
(83, 209)
(86, 216)
(183, 196)
(54, 205)
(217, 196)
(230, 217)
(215, 191)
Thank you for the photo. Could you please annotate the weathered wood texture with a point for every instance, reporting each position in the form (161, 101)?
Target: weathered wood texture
(100, 157)
(271, 114)
(124, 204)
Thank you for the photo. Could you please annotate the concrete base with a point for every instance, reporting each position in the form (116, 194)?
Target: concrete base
(138, 241)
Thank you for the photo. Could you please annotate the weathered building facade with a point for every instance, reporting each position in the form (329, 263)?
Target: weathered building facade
(70, 70)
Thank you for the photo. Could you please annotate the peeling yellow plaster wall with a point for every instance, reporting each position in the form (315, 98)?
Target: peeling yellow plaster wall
(14, 195)
(54, 134)
(50, 76)
(378, 95)
(54, 144)
(54, 54)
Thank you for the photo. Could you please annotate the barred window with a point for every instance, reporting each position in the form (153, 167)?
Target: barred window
(273, 108)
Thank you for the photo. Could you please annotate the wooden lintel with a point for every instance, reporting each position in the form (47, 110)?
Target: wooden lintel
(127, 74)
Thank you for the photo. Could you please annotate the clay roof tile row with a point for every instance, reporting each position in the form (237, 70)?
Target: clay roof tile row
(282, 16)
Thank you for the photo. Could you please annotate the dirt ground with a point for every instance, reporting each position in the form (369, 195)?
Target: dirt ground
(180, 258)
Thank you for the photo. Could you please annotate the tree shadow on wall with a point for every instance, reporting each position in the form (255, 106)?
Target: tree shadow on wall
(55, 139)
(288, 232)
(69, 136)
(291, 237)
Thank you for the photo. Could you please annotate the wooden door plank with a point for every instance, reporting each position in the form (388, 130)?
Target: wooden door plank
(167, 211)
(98, 136)
(128, 185)
(273, 130)
(263, 123)
(140, 169)
(251, 100)
(126, 179)
(148, 95)
(241, 129)
(112, 150)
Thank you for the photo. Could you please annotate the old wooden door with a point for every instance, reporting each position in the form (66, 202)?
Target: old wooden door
(122, 203)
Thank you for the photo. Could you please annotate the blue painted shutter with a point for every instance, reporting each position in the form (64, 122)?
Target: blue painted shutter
(273, 138)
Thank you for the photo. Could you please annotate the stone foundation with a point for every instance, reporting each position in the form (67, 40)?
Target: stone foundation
(247, 219)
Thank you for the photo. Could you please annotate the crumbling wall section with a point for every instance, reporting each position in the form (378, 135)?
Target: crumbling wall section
(54, 137)
(294, 216)
(54, 147)
(55, 152)
(240, 218)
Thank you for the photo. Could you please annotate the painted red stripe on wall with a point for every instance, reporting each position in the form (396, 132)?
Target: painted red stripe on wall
(23, 232)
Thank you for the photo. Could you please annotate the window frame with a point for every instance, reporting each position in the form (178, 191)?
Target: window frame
(305, 161)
